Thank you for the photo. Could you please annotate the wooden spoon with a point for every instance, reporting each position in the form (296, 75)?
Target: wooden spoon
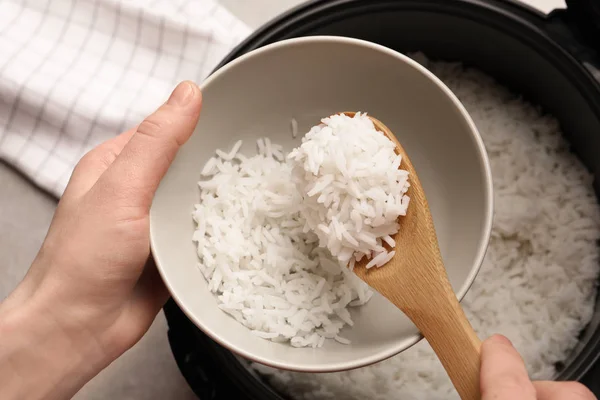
(415, 280)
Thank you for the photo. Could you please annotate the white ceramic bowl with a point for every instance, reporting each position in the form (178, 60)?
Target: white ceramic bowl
(307, 79)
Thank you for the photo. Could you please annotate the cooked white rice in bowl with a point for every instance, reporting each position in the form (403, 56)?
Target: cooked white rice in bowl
(278, 236)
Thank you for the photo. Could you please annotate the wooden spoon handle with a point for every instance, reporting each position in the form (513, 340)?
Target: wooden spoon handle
(456, 344)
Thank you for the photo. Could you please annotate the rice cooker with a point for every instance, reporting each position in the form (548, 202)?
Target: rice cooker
(552, 60)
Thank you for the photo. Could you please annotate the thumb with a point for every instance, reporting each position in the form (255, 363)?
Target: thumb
(503, 373)
(137, 171)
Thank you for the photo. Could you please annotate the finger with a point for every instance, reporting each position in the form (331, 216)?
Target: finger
(93, 164)
(562, 391)
(136, 173)
(503, 373)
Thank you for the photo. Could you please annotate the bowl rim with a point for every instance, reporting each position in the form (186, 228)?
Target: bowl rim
(484, 236)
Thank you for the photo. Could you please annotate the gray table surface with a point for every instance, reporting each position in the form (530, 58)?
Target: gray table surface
(148, 370)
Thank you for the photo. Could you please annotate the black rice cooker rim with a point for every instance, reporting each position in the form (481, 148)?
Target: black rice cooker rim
(501, 14)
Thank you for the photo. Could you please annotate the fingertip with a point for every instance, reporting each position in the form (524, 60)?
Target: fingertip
(499, 339)
(186, 95)
(495, 346)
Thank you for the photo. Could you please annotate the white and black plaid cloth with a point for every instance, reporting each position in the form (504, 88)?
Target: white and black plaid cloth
(74, 73)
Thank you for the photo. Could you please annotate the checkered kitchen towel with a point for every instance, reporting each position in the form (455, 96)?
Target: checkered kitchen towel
(74, 73)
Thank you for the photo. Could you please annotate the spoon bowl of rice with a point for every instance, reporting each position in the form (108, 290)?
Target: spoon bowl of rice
(259, 256)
